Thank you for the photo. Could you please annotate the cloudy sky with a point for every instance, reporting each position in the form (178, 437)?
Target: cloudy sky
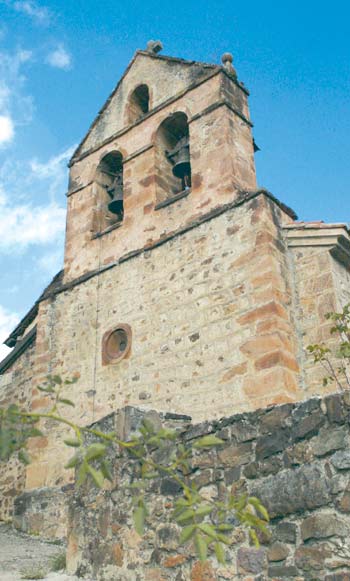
(59, 61)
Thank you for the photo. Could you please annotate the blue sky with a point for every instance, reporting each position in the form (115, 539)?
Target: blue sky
(60, 60)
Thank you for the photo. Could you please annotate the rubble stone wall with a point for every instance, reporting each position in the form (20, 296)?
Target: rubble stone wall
(15, 388)
(294, 457)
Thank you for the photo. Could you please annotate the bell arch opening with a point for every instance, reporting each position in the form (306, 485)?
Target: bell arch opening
(109, 187)
(173, 163)
(138, 103)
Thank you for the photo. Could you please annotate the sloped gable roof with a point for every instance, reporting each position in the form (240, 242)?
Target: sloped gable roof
(165, 76)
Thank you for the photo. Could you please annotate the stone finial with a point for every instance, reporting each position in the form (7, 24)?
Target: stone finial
(154, 46)
(227, 60)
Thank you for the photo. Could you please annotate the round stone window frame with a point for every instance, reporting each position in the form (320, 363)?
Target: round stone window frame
(111, 353)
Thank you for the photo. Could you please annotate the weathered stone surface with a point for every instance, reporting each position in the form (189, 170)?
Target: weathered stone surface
(341, 460)
(311, 544)
(336, 411)
(329, 441)
(271, 444)
(285, 532)
(341, 576)
(251, 560)
(235, 455)
(293, 491)
(322, 526)
(311, 559)
(278, 552)
(279, 572)
(43, 512)
(308, 426)
(243, 431)
(276, 418)
(203, 572)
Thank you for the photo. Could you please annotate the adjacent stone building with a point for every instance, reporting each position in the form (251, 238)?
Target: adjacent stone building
(185, 287)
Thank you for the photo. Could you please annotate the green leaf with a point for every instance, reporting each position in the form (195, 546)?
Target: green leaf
(223, 539)
(259, 507)
(82, 474)
(72, 442)
(139, 519)
(254, 537)
(185, 516)
(66, 402)
(208, 530)
(95, 451)
(106, 470)
(225, 527)
(96, 475)
(187, 533)
(56, 379)
(204, 510)
(166, 434)
(201, 547)
(220, 553)
(74, 461)
(208, 441)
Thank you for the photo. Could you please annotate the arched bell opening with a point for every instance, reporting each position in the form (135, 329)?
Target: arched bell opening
(138, 103)
(109, 184)
(173, 163)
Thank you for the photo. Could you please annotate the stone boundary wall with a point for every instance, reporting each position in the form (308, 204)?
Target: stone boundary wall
(294, 457)
(15, 388)
(43, 512)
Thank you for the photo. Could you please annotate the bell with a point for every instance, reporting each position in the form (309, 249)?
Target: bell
(182, 166)
(115, 206)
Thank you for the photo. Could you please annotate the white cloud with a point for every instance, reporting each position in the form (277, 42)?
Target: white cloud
(14, 104)
(60, 58)
(40, 14)
(24, 225)
(6, 129)
(8, 321)
(24, 221)
(51, 262)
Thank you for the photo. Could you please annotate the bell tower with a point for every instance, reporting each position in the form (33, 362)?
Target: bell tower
(172, 142)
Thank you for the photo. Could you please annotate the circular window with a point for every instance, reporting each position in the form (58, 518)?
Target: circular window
(116, 344)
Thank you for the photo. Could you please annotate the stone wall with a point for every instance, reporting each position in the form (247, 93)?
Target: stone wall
(222, 164)
(43, 512)
(15, 388)
(211, 307)
(294, 457)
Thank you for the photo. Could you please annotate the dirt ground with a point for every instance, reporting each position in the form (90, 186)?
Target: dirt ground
(22, 556)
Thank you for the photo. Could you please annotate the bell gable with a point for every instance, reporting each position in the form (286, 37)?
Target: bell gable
(148, 82)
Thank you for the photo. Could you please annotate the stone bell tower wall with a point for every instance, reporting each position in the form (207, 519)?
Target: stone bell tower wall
(222, 164)
(209, 312)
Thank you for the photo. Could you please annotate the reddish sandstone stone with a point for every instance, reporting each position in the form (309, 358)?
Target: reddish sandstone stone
(118, 554)
(174, 561)
(263, 312)
(203, 572)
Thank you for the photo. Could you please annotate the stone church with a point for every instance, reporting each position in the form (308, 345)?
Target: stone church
(185, 287)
